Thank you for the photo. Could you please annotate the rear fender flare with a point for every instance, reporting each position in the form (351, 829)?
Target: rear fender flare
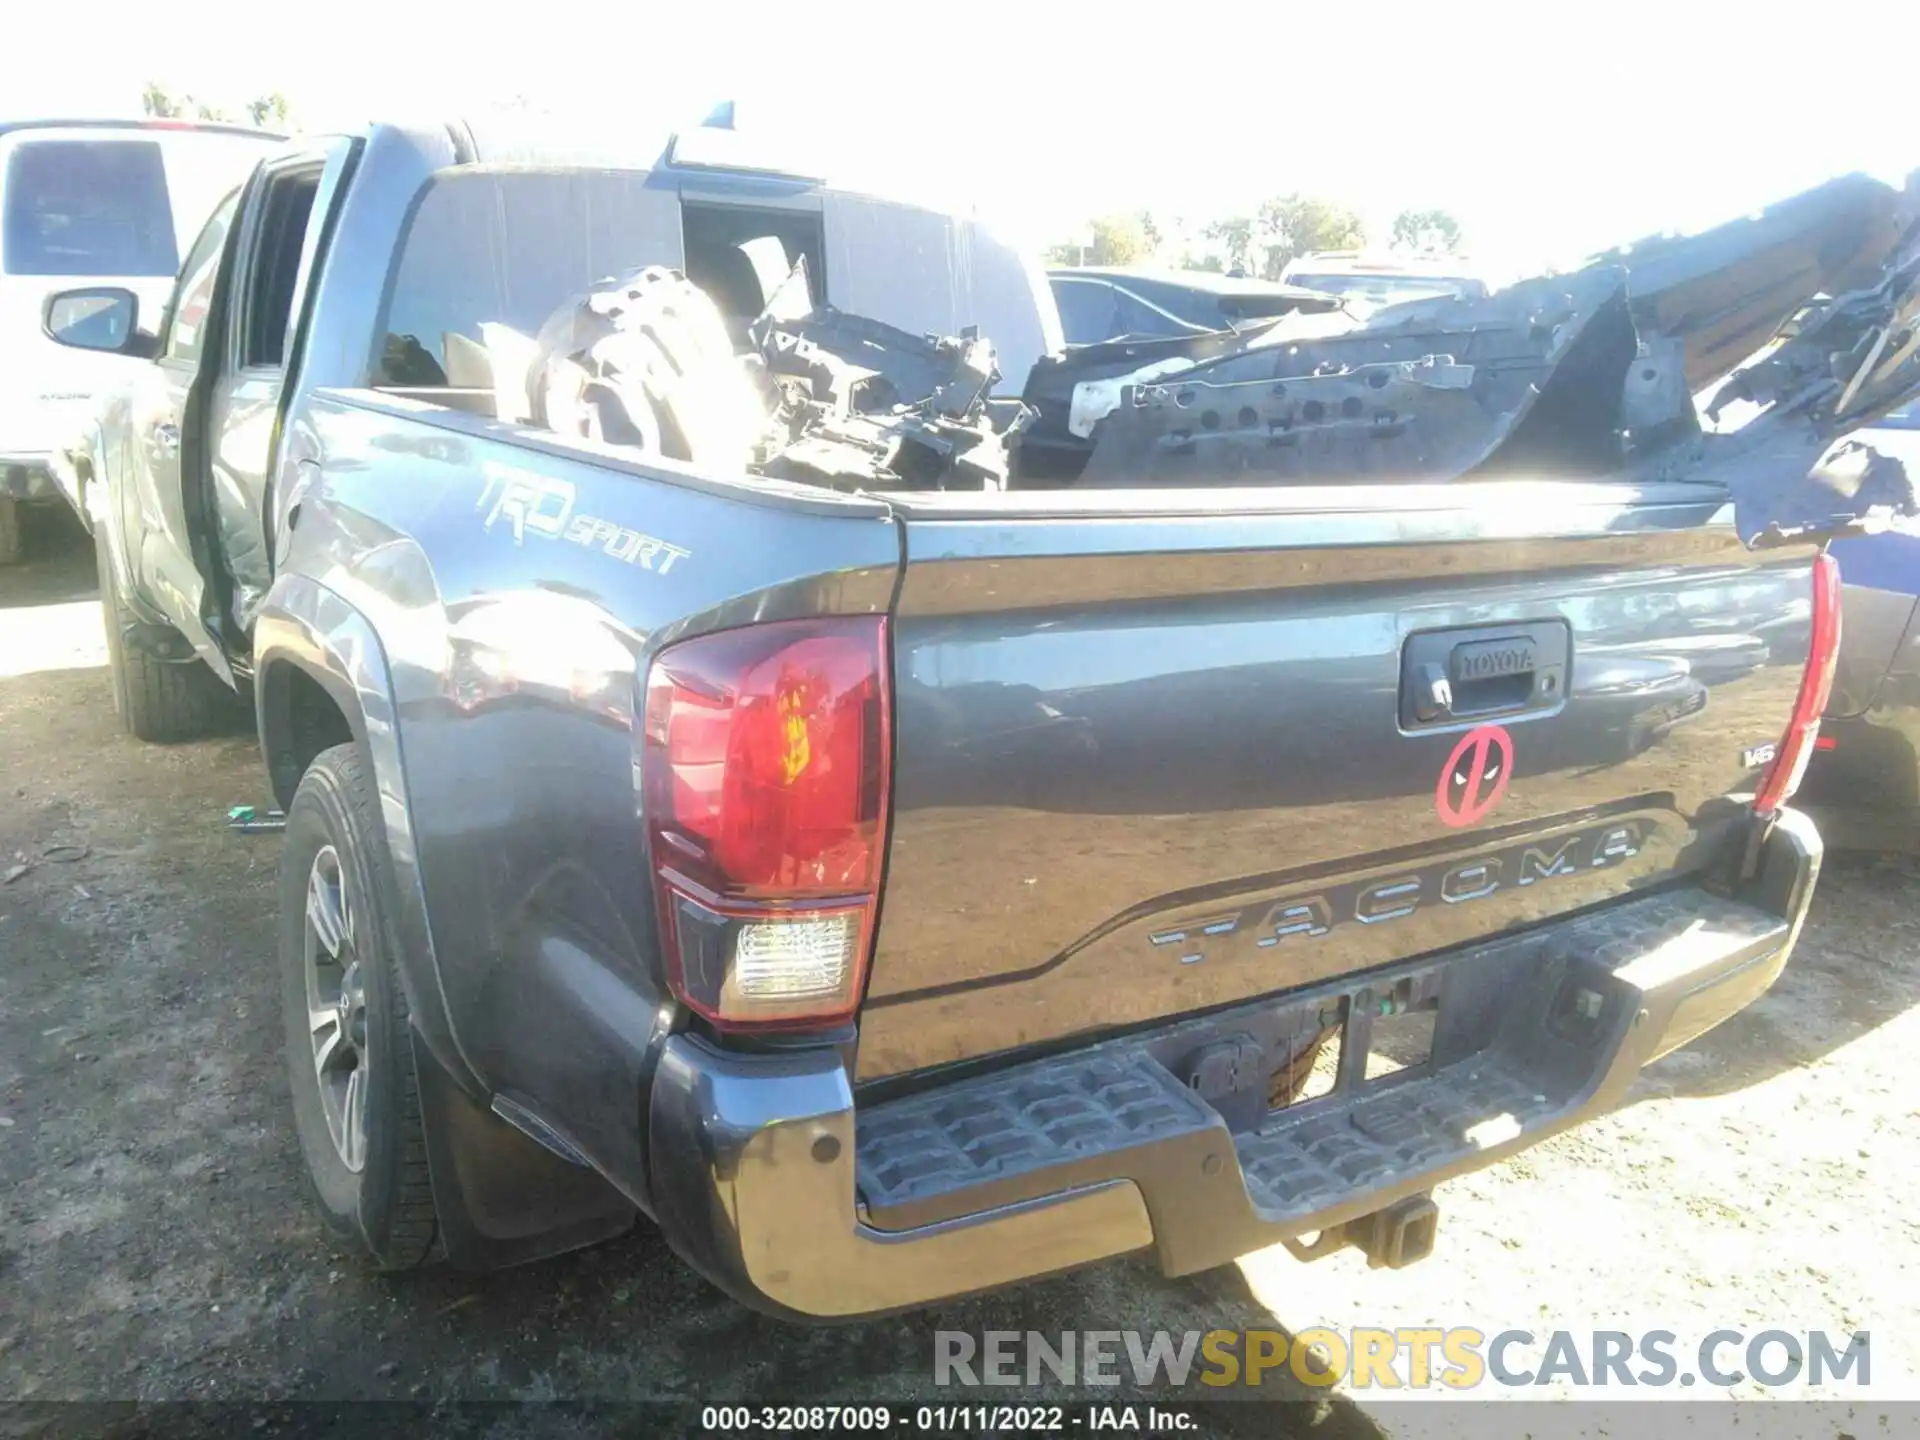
(303, 626)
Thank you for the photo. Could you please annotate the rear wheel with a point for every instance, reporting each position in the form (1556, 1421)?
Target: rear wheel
(159, 701)
(356, 1103)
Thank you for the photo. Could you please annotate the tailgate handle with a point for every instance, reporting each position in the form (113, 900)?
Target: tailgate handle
(1491, 674)
(1452, 675)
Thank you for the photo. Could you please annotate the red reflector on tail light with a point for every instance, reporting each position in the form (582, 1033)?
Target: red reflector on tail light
(1816, 685)
(764, 780)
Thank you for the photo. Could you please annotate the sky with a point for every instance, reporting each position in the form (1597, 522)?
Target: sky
(1550, 132)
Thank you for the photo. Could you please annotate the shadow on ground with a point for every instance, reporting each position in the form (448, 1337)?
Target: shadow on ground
(59, 563)
(1856, 967)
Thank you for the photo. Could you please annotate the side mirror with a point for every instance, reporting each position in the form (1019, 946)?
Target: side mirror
(99, 317)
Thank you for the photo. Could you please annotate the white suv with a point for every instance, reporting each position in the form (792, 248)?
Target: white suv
(113, 202)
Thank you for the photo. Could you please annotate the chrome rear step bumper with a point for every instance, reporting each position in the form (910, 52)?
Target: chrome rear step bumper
(769, 1181)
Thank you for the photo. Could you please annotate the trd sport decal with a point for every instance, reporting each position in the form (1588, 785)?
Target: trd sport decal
(1474, 777)
(543, 504)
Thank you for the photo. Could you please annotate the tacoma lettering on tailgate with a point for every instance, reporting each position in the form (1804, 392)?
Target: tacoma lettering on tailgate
(1299, 918)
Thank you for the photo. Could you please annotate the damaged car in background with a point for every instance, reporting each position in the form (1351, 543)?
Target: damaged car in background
(1589, 375)
(725, 784)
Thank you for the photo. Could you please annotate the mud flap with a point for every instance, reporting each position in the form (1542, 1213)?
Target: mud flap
(501, 1198)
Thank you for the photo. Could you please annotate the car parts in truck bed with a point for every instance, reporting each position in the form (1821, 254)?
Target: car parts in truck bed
(646, 360)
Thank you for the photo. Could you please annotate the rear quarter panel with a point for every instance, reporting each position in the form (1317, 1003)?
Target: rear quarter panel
(517, 588)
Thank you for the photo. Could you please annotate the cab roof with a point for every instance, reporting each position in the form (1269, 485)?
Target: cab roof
(153, 123)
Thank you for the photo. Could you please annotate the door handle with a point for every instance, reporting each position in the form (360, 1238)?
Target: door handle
(1449, 676)
(166, 438)
(1433, 691)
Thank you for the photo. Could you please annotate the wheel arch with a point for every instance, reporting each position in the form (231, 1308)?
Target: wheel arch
(302, 708)
(321, 679)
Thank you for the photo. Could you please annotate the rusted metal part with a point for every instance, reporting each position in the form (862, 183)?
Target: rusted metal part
(1795, 470)
(1725, 292)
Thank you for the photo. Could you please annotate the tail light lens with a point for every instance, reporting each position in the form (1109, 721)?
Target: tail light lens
(1816, 685)
(764, 778)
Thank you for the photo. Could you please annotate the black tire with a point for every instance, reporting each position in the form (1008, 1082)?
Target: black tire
(645, 360)
(13, 548)
(387, 1203)
(159, 701)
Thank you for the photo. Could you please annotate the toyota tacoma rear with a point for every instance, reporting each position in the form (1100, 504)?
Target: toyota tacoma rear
(722, 785)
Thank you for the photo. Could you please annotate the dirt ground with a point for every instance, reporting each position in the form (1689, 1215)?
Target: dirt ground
(154, 1243)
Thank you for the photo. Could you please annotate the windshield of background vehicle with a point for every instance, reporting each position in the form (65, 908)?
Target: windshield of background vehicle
(1388, 289)
(122, 207)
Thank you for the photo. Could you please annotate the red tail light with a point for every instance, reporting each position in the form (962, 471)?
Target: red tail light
(1816, 684)
(764, 780)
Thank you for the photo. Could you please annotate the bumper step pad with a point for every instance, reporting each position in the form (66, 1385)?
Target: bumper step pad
(992, 1133)
(1534, 1031)
(1304, 1162)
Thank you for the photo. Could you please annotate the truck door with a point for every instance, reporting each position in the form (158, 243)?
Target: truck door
(281, 236)
(207, 415)
(154, 527)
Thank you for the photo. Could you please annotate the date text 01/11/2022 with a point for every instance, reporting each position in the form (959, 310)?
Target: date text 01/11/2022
(946, 1419)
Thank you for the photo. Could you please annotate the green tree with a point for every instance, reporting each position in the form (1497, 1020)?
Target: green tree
(1110, 240)
(155, 101)
(1289, 226)
(1235, 237)
(1118, 240)
(203, 111)
(1283, 228)
(1428, 232)
(1150, 228)
(270, 112)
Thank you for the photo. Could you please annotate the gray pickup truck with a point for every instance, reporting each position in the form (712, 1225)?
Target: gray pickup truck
(720, 789)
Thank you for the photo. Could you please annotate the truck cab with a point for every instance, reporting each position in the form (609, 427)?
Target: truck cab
(202, 448)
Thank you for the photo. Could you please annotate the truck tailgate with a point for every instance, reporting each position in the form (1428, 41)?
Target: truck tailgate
(1155, 762)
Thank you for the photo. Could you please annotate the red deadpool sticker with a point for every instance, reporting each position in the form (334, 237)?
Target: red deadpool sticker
(1475, 776)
